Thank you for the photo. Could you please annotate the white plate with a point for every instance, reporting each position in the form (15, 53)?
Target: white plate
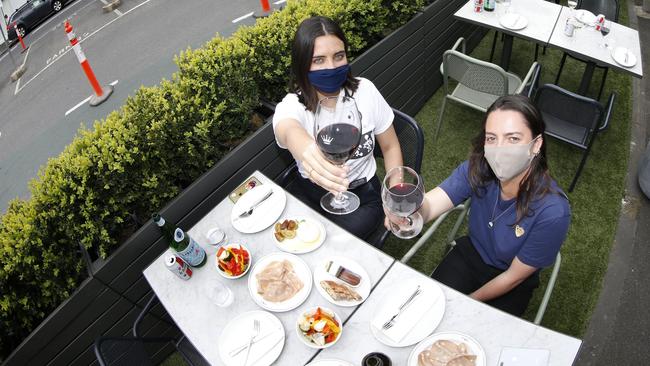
(619, 53)
(302, 271)
(264, 215)
(585, 17)
(513, 21)
(363, 289)
(310, 312)
(298, 246)
(233, 245)
(472, 344)
(330, 362)
(238, 331)
(428, 320)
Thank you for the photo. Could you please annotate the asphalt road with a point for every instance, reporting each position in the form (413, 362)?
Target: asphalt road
(132, 46)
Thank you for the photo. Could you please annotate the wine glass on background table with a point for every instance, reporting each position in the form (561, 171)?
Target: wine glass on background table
(604, 30)
(337, 127)
(403, 194)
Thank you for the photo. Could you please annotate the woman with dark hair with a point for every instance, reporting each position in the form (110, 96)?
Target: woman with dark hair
(519, 217)
(320, 69)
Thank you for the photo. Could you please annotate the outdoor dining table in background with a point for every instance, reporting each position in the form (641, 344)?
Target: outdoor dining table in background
(587, 43)
(541, 16)
(202, 321)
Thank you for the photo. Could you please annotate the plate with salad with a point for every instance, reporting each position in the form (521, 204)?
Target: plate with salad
(319, 327)
(233, 260)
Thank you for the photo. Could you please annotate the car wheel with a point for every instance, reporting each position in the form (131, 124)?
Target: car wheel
(21, 31)
(57, 5)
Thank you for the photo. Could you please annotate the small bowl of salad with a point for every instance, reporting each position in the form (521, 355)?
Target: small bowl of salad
(319, 327)
(233, 260)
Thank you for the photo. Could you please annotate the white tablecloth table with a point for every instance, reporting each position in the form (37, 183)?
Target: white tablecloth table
(492, 328)
(541, 15)
(202, 322)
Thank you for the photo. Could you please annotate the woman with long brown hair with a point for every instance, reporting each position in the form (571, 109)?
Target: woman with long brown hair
(519, 217)
(320, 69)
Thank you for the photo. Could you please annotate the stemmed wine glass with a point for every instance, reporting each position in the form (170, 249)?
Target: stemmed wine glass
(604, 30)
(337, 127)
(403, 194)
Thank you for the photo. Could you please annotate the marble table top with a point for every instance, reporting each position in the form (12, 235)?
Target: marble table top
(541, 16)
(492, 328)
(202, 322)
(586, 42)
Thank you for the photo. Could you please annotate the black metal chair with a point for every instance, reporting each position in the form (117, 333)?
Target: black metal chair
(138, 350)
(573, 118)
(609, 8)
(411, 139)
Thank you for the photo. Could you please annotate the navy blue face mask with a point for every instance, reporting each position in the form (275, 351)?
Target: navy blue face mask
(329, 80)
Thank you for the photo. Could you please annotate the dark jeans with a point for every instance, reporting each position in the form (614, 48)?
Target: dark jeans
(362, 222)
(464, 270)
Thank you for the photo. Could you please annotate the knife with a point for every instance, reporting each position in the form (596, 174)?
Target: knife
(281, 339)
(241, 348)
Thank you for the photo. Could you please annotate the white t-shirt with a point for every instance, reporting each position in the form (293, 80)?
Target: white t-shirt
(376, 117)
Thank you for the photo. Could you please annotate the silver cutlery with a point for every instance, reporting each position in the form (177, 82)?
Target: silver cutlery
(263, 354)
(249, 212)
(401, 308)
(238, 350)
(626, 52)
(256, 331)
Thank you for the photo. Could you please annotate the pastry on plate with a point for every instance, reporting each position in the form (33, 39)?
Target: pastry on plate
(340, 291)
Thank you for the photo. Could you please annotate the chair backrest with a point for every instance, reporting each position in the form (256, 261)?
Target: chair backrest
(475, 74)
(411, 140)
(609, 8)
(568, 116)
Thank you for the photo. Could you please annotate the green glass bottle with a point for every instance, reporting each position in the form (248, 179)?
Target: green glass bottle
(489, 5)
(181, 243)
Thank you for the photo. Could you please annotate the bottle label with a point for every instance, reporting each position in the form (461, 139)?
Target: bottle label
(193, 254)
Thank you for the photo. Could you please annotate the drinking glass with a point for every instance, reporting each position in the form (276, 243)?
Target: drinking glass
(403, 194)
(337, 127)
(572, 5)
(219, 294)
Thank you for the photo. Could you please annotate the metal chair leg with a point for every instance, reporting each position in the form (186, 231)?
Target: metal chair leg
(559, 72)
(442, 111)
(582, 164)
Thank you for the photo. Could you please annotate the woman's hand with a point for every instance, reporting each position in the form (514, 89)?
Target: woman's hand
(323, 173)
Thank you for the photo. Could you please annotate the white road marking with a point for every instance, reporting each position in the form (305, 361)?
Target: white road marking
(21, 66)
(243, 17)
(119, 13)
(85, 100)
(280, 2)
(81, 41)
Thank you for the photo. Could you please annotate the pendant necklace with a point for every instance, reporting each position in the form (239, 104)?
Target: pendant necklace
(494, 219)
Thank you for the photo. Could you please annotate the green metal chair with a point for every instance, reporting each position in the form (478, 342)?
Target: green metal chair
(479, 83)
(463, 208)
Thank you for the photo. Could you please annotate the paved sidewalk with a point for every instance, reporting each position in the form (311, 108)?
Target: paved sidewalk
(619, 331)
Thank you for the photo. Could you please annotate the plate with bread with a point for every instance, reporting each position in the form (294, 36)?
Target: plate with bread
(342, 281)
(298, 235)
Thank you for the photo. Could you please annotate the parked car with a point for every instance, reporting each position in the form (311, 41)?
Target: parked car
(31, 14)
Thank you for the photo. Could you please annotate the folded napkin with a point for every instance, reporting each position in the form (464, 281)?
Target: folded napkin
(409, 317)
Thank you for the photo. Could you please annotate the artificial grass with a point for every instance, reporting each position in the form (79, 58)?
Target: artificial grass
(595, 202)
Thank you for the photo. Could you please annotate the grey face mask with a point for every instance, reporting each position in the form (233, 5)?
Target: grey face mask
(509, 161)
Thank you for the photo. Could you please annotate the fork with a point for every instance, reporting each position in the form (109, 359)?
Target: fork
(404, 305)
(256, 331)
(254, 206)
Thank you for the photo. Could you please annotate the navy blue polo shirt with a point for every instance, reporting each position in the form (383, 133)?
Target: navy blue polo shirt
(535, 240)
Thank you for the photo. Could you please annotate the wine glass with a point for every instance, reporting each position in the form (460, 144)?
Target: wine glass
(337, 127)
(604, 30)
(403, 194)
(572, 5)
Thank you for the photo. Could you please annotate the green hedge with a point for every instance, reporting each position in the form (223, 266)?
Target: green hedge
(111, 177)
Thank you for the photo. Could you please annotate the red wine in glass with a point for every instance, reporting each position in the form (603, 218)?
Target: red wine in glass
(338, 142)
(406, 198)
(402, 195)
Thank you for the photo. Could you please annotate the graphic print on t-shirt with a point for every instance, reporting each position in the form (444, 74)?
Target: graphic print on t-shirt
(366, 145)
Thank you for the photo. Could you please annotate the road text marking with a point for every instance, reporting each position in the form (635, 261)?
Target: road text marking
(85, 100)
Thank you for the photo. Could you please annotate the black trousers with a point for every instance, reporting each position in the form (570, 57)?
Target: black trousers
(362, 222)
(464, 270)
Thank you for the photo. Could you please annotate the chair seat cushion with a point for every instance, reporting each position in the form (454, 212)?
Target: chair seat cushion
(480, 99)
(565, 131)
